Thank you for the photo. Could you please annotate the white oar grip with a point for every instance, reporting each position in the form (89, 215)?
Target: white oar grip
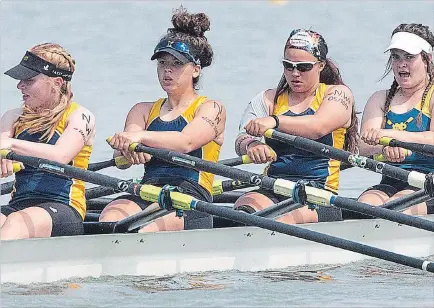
(416, 179)
(314, 195)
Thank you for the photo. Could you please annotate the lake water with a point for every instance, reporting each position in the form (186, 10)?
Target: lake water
(112, 42)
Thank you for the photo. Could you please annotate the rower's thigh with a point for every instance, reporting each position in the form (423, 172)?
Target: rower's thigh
(121, 208)
(168, 222)
(253, 202)
(377, 195)
(27, 223)
(299, 216)
(417, 209)
(2, 219)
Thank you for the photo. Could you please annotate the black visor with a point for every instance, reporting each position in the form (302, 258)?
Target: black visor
(32, 65)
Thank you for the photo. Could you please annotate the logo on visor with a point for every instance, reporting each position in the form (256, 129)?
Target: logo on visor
(46, 67)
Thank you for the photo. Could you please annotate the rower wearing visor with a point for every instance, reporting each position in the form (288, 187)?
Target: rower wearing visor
(184, 121)
(403, 112)
(49, 125)
(311, 101)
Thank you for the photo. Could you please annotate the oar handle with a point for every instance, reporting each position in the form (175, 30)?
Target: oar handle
(380, 157)
(236, 161)
(17, 167)
(425, 149)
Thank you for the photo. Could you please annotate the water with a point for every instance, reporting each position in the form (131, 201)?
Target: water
(112, 43)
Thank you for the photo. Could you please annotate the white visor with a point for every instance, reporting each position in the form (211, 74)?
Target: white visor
(409, 42)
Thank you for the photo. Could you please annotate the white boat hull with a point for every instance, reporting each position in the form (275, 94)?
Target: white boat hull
(244, 248)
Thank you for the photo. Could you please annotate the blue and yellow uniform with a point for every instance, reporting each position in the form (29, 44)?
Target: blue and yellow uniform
(160, 169)
(294, 164)
(34, 184)
(197, 184)
(408, 122)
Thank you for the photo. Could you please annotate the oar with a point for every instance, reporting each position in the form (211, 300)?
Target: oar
(407, 201)
(279, 209)
(284, 187)
(414, 178)
(425, 149)
(184, 202)
(236, 161)
(119, 162)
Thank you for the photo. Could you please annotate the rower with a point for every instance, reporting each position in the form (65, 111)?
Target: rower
(312, 101)
(48, 125)
(403, 112)
(184, 121)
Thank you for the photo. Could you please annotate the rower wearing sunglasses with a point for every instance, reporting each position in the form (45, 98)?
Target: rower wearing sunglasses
(312, 101)
(184, 121)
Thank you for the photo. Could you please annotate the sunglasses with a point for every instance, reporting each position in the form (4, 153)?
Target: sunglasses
(178, 46)
(300, 66)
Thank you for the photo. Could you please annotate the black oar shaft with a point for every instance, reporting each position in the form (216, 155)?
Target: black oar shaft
(182, 201)
(314, 236)
(347, 157)
(102, 165)
(407, 201)
(268, 183)
(70, 171)
(378, 211)
(278, 208)
(6, 188)
(196, 163)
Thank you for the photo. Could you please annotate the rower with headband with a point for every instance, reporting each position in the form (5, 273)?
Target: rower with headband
(312, 101)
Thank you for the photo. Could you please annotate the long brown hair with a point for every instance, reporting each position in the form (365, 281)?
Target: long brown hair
(330, 75)
(423, 32)
(45, 120)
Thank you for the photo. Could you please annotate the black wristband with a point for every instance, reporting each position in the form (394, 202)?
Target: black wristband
(275, 119)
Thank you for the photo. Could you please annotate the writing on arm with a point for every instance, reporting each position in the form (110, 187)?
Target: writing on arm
(339, 96)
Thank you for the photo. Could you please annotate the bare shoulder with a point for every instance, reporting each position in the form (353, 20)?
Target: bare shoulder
(84, 114)
(213, 106)
(269, 96)
(376, 100)
(12, 114)
(143, 108)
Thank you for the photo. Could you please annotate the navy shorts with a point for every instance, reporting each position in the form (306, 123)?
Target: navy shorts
(192, 219)
(66, 220)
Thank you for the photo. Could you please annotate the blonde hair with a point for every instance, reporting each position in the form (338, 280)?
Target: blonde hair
(46, 119)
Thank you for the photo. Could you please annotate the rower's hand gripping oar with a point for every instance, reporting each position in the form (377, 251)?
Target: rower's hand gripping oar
(184, 202)
(425, 149)
(314, 196)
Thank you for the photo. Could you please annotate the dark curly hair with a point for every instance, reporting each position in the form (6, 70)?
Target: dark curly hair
(423, 32)
(190, 28)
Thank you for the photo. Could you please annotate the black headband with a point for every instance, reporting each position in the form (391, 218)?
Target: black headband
(31, 65)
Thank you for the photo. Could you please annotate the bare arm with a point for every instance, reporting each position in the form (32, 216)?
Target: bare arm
(136, 120)
(7, 122)
(334, 112)
(79, 131)
(208, 125)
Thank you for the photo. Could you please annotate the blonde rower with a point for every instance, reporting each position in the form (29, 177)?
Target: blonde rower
(49, 125)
